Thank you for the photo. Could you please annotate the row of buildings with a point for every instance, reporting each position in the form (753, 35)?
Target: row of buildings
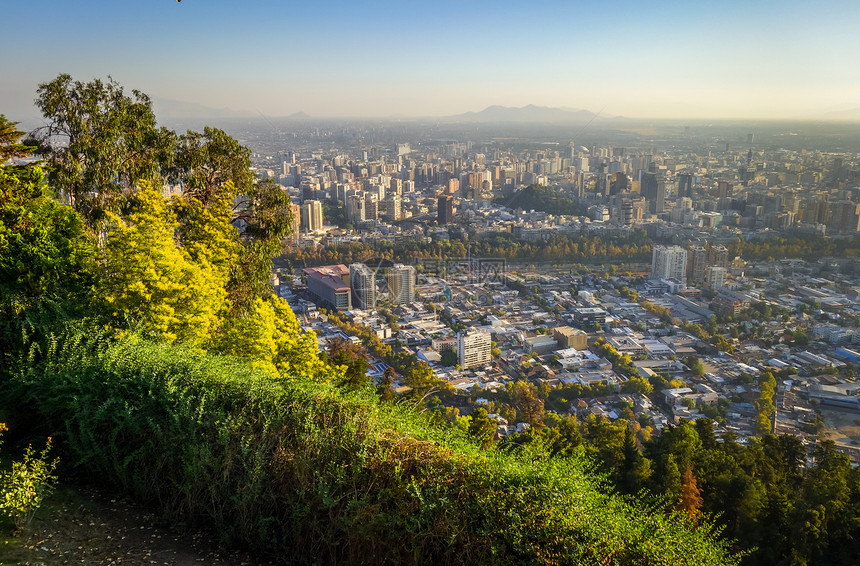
(355, 287)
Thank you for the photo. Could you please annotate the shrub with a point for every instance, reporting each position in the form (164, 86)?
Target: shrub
(23, 488)
(306, 473)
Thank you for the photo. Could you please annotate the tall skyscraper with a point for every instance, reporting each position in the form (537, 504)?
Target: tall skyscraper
(685, 185)
(363, 284)
(649, 190)
(669, 262)
(296, 212)
(446, 210)
(312, 216)
(401, 284)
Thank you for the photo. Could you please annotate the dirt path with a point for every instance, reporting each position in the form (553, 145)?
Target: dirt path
(84, 526)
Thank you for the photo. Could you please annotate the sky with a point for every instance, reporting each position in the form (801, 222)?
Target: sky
(660, 59)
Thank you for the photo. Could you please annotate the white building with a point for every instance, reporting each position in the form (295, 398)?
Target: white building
(401, 284)
(715, 277)
(474, 348)
(669, 262)
(312, 216)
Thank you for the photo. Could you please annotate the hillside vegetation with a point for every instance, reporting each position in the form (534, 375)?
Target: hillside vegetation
(298, 468)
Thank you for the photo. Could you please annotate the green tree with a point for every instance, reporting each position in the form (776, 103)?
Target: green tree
(10, 148)
(637, 384)
(449, 358)
(100, 142)
(481, 427)
(353, 358)
(46, 258)
(206, 162)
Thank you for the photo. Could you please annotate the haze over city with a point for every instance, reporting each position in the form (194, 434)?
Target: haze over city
(757, 60)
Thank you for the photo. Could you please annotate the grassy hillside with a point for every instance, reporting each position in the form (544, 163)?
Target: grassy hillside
(306, 473)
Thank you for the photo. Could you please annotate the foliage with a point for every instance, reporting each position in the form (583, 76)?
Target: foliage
(25, 486)
(152, 283)
(10, 148)
(46, 258)
(544, 199)
(303, 471)
(209, 163)
(99, 142)
(449, 358)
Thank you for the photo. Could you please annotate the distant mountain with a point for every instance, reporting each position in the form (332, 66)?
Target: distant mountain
(852, 115)
(530, 113)
(298, 116)
(166, 109)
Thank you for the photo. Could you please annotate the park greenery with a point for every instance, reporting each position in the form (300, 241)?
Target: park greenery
(542, 199)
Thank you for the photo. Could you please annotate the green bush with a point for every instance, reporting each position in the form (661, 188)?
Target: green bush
(24, 487)
(305, 473)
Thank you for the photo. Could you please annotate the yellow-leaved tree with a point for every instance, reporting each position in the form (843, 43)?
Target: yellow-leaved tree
(268, 334)
(152, 282)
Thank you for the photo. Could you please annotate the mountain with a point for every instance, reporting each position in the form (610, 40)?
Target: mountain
(166, 108)
(851, 115)
(530, 113)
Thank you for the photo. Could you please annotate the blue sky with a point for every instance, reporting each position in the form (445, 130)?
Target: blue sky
(758, 59)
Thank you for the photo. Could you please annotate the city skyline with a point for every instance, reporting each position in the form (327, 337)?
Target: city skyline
(764, 60)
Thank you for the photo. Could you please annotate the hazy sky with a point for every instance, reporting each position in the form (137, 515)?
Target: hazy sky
(750, 58)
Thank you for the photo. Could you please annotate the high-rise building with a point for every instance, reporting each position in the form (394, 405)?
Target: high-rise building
(725, 189)
(669, 262)
(685, 185)
(401, 284)
(474, 348)
(648, 189)
(715, 277)
(390, 208)
(446, 210)
(697, 261)
(296, 213)
(362, 281)
(718, 256)
(312, 216)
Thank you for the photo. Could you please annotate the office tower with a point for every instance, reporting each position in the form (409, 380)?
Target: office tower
(474, 348)
(685, 185)
(697, 261)
(669, 262)
(446, 210)
(660, 201)
(618, 183)
(363, 284)
(649, 190)
(312, 216)
(401, 284)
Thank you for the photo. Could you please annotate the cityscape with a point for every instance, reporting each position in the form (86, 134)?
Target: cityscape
(690, 299)
(446, 284)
